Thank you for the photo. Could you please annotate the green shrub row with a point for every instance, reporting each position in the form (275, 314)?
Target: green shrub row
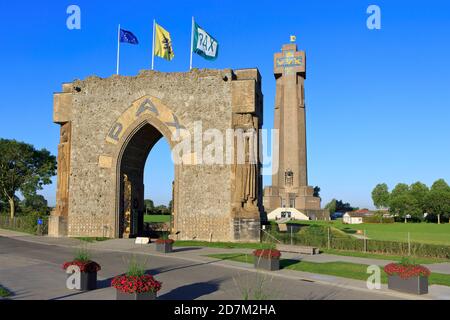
(375, 219)
(25, 223)
(317, 236)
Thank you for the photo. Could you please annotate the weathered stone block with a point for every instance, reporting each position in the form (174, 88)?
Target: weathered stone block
(57, 226)
(244, 96)
(62, 107)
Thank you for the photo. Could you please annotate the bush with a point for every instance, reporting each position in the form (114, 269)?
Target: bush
(378, 219)
(24, 223)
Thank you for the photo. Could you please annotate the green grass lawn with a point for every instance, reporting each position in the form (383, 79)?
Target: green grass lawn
(338, 269)
(156, 218)
(420, 232)
(4, 293)
(381, 256)
(225, 245)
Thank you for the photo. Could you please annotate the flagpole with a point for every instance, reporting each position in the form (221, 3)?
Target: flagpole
(118, 49)
(192, 43)
(153, 45)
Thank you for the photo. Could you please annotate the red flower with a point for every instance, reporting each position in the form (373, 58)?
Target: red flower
(132, 284)
(163, 241)
(85, 266)
(267, 253)
(406, 271)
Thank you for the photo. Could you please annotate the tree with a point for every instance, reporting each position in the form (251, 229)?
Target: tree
(331, 206)
(162, 209)
(170, 208)
(404, 205)
(420, 191)
(24, 169)
(440, 184)
(438, 200)
(316, 192)
(400, 189)
(342, 206)
(380, 196)
(339, 206)
(149, 206)
(403, 202)
(37, 203)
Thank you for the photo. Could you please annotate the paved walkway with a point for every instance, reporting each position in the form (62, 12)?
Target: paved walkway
(32, 271)
(197, 256)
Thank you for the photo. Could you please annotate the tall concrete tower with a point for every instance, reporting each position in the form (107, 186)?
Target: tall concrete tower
(290, 184)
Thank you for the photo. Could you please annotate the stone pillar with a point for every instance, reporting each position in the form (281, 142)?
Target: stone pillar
(59, 216)
(290, 184)
(246, 187)
(290, 72)
(57, 226)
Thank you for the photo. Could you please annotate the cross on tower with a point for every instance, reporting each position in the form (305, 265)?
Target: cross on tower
(290, 61)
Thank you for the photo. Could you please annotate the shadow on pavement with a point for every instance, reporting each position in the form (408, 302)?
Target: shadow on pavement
(192, 291)
(185, 249)
(285, 263)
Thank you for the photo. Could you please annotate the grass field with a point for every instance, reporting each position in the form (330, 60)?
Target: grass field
(156, 218)
(338, 269)
(420, 232)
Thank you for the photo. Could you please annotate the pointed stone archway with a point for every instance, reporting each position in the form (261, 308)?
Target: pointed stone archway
(134, 134)
(109, 126)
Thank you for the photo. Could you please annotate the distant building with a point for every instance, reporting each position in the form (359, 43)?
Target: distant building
(357, 217)
(287, 213)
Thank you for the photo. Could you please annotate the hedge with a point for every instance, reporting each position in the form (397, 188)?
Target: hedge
(317, 236)
(26, 223)
(375, 219)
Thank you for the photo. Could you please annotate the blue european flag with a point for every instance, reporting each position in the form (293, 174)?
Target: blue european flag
(128, 37)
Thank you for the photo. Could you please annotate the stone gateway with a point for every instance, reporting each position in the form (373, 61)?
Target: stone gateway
(108, 128)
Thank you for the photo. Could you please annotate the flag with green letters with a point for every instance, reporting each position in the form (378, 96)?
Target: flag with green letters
(204, 44)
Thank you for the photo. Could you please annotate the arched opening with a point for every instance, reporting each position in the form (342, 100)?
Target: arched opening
(131, 182)
(158, 188)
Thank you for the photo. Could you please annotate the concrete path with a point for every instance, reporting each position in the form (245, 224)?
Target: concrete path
(30, 266)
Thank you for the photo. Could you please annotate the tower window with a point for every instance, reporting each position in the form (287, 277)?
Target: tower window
(289, 178)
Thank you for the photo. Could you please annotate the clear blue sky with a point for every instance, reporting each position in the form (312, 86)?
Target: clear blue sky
(377, 101)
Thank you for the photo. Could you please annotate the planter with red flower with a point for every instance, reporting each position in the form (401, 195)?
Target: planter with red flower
(164, 245)
(407, 277)
(87, 271)
(267, 259)
(135, 284)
